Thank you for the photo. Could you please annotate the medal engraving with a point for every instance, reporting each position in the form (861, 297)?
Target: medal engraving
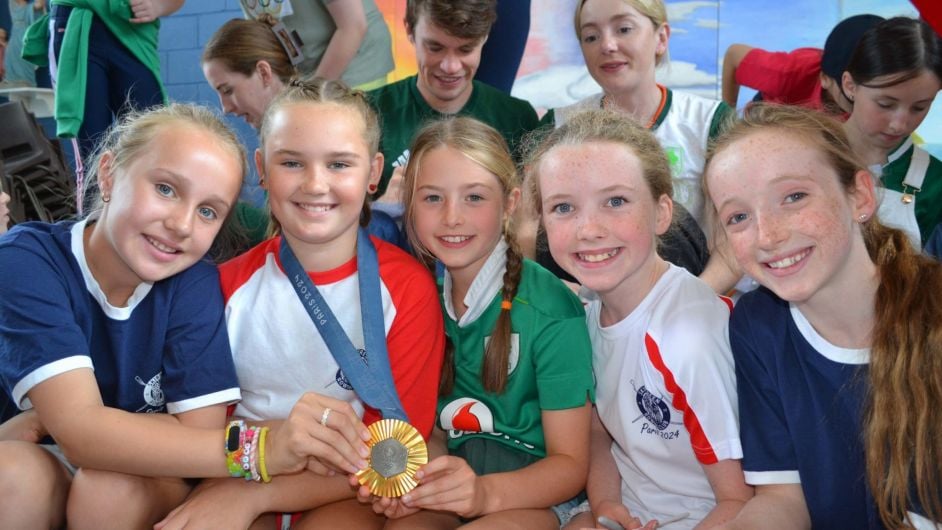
(388, 458)
(397, 450)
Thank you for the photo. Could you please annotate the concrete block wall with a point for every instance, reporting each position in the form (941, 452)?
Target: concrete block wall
(182, 37)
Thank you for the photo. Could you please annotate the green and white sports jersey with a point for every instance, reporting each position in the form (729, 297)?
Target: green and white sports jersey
(403, 111)
(550, 363)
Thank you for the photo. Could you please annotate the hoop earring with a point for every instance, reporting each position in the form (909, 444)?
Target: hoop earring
(106, 198)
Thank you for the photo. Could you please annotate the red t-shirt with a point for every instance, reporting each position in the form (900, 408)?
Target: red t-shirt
(783, 77)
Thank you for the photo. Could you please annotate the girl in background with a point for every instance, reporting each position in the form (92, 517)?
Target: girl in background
(892, 79)
(513, 410)
(665, 438)
(318, 159)
(248, 67)
(118, 314)
(838, 355)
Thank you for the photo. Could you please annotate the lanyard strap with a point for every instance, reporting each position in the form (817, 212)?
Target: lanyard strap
(369, 374)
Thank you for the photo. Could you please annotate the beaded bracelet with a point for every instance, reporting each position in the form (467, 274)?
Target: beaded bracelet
(245, 456)
(253, 460)
(247, 453)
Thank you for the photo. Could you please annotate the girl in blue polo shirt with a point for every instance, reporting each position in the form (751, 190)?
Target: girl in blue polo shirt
(119, 314)
(837, 355)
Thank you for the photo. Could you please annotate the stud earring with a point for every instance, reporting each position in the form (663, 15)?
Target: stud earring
(371, 188)
(862, 218)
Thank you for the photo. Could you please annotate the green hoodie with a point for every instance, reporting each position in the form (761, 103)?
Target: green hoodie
(140, 39)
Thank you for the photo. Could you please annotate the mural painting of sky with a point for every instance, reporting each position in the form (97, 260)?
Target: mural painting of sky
(553, 74)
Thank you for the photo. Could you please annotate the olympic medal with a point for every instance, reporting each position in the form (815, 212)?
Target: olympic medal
(396, 452)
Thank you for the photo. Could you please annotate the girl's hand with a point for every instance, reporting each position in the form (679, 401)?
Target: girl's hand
(393, 193)
(447, 483)
(215, 503)
(390, 508)
(150, 10)
(616, 511)
(24, 427)
(321, 434)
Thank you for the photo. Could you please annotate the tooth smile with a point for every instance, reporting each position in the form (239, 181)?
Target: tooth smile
(455, 239)
(314, 208)
(160, 246)
(597, 257)
(789, 261)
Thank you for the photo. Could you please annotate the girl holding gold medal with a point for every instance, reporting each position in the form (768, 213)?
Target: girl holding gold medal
(324, 310)
(112, 340)
(514, 406)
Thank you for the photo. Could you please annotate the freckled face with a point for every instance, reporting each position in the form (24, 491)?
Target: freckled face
(601, 221)
(790, 223)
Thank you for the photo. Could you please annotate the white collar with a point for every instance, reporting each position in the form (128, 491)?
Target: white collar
(91, 284)
(485, 286)
(825, 348)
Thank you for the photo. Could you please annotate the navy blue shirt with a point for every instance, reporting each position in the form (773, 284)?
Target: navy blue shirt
(167, 351)
(801, 405)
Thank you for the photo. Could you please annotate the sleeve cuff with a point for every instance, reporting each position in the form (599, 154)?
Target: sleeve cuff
(225, 397)
(765, 478)
(44, 372)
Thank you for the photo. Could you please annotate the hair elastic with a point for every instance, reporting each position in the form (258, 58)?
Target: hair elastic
(506, 305)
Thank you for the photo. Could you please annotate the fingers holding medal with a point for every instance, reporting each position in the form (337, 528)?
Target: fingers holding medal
(397, 450)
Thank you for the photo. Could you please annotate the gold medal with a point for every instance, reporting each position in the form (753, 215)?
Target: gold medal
(396, 452)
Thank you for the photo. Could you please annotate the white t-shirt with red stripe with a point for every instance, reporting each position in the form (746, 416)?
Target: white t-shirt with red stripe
(666, 392)
(279, 354)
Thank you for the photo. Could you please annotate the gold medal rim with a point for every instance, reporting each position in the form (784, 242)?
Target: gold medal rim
(417, 455)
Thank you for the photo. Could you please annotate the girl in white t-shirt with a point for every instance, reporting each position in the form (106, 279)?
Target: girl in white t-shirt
(665, 438)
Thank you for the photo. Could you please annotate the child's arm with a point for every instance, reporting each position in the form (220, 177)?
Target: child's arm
(730, 87)
(729, 488)
(226, 503)
(774, 507)
(24, 427)
(604, 483)
(449, 484)
(99, 437)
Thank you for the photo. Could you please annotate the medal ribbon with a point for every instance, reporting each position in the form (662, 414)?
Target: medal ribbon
(372, 379)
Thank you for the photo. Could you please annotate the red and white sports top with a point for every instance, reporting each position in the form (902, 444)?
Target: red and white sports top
(279, 354)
